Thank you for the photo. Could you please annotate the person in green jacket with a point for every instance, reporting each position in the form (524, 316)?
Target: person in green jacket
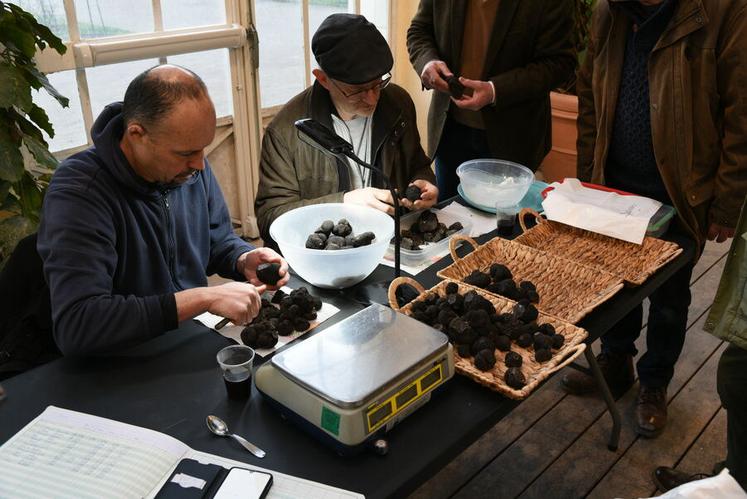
(353, 96)
(728, 321)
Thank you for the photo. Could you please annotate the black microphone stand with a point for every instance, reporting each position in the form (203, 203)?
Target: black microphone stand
(329, 142)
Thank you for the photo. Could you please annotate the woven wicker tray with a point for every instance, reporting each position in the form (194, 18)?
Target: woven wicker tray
(634, 263)
(567, 289)
(533, 371)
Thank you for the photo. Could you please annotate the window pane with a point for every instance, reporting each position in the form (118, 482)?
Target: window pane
(50, 13)
(377, 12)
(67, 122)
(107, 84)
(188, 13)
(99, 18)
(214, 68)
(281, 71)
(318, 12)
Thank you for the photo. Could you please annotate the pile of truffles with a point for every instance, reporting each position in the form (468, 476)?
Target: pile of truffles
(427, 229)
(294, 313)
(337, 236)
(498, 280)
(472, 324)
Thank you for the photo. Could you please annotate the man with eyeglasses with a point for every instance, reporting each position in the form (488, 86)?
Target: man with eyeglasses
(353, 96)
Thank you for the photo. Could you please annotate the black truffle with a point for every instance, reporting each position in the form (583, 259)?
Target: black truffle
(515, 378)
(326, 227)
(456, 89)
(542, 355)
(464, 350)
(503, 343)
(363, 239)
(485, 360)
(412, 192)
(499, 272)
(477, 278)
(452, 288)
(524, 340)
(482, 343)
(268, 273)
(314, 242)
(513, 359)
(557, 340)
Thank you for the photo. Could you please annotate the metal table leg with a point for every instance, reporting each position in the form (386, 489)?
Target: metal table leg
(608, 399)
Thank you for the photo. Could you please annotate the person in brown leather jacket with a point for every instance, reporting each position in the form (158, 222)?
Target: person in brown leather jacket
(663, 114)
(352, 95)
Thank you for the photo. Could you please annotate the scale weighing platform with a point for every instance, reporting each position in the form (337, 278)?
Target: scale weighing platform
(351, 383)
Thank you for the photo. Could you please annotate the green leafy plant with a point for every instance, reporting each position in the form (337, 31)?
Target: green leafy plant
(26, 164)
(582, 11)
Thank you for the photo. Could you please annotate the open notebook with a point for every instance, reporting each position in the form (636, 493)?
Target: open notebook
(65, 453)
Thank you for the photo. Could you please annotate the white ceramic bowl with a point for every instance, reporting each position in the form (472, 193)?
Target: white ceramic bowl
(488, 181)
(332, 269)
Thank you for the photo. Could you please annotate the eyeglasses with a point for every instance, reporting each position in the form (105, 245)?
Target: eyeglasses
(377, 86)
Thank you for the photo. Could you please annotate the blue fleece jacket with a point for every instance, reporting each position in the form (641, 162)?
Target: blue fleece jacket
(116, 248)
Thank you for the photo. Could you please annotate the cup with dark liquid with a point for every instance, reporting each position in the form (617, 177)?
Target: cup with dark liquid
(505, 217)
(236, 363)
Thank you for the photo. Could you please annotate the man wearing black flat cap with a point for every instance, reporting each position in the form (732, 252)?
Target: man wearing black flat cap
(352, 95)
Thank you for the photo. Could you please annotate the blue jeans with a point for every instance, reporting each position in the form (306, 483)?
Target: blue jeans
(665, 335)
(459, 143)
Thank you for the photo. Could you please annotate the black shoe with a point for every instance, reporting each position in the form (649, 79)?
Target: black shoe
(667, 478)
(651, 411)
(617, 370)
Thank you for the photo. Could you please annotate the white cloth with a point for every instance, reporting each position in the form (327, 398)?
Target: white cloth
(608, 213)
(721, 486)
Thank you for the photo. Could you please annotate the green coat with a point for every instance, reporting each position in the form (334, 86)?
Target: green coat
(293, 173)
(529, 54)
(728, 316)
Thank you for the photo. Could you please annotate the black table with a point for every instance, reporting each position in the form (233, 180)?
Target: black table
(171, 383)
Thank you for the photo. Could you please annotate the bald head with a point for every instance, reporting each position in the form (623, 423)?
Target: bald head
(154, 93)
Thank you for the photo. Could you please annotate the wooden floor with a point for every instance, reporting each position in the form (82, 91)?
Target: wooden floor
(554, 445)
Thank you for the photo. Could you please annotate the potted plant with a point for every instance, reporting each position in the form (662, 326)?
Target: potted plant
(560, 162)
(26, 164)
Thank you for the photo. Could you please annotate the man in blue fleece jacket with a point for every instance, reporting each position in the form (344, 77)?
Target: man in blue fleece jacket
(132, 226)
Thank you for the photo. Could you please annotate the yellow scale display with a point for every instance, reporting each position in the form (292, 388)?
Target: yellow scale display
(359, 377)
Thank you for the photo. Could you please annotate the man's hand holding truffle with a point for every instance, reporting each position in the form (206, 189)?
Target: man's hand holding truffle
(248, 262)
(380, 199)
(428, 196)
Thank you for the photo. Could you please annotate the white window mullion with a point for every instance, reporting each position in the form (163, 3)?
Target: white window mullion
(80, 74)
(158, 23)
(306, 42)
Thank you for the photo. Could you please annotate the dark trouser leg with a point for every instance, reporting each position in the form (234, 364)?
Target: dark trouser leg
(667, 324)
(731, 383)
(620, 339)
(459, 143)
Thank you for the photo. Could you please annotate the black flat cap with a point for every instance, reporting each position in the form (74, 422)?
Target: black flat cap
(350, 49)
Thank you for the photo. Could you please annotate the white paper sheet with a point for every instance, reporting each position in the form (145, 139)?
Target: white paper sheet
(482, 222)
(608, 213)
(234, 332)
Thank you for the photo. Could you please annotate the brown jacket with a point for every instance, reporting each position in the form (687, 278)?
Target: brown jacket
(697, 74)
(293, 173)
(529, 54)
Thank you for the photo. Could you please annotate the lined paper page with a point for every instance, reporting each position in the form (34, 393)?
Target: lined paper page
(68, 454)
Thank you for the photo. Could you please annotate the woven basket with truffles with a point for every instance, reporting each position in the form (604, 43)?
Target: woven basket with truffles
(566, 289)
(507, 346)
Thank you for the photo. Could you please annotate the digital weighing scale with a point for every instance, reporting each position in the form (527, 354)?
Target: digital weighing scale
(351, 383)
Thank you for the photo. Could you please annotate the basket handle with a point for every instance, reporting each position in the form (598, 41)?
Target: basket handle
(395, 284)
(572, 354)
(529, 211)
(454, 243)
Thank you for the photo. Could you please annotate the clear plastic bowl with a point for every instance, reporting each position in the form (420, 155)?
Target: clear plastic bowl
(332, 269)
(489, 181)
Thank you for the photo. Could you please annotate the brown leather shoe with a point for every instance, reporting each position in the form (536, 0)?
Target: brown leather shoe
(617, 370)
(651, 411)
(667, 478)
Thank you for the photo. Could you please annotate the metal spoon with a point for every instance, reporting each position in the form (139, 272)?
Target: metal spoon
(219, 427)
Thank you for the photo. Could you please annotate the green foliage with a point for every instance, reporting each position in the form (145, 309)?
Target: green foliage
(25, 161)
(582, 11)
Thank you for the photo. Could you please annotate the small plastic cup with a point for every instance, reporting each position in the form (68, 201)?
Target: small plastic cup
(236, 363)
(505, 218)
